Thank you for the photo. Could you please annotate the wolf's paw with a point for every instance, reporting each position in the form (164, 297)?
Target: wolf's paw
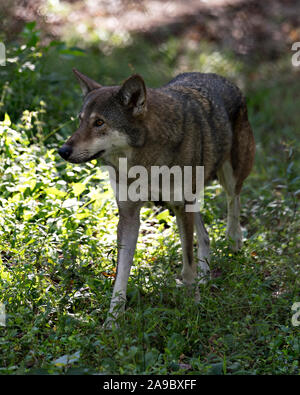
(203, 279)
(113, 318)
(235, 244)
(110, 323)
(235, 240)
(181, 282)
(192, 289)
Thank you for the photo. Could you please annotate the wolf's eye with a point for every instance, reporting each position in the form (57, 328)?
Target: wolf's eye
(98, 122)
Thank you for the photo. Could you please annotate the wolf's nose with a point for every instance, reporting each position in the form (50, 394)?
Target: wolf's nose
(65, 151)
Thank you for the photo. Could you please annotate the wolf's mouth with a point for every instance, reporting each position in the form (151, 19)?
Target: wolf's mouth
(97, 155)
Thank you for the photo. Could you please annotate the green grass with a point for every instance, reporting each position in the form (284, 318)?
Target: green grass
(58, 231)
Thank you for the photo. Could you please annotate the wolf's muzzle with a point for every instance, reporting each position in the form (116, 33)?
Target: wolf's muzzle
(65, 151)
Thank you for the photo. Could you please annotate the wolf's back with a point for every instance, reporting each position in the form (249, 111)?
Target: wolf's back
(215, 121)
(216, 89)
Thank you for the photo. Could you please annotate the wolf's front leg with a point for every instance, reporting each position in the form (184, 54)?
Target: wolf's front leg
(128, 230)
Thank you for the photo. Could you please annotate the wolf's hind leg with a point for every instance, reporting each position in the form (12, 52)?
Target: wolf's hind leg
(203, 248)
(185, 223)
(228, 181)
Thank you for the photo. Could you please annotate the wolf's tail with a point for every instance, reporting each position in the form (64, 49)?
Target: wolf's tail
(243, 146)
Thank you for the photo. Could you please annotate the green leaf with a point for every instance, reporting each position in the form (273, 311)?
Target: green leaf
(56, 192)
(7, 121)
(78, 188)
(163, 216)
(67, 359)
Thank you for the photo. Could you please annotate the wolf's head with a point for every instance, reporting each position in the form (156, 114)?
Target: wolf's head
(111, 120)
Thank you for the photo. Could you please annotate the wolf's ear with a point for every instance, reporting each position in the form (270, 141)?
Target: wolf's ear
(87, 84)
(133, 95)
